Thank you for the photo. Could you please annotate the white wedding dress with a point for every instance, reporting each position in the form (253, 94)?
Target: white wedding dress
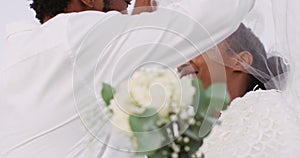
(259, 125)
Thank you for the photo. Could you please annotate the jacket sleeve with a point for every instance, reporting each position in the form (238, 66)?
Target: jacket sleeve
(114, 45)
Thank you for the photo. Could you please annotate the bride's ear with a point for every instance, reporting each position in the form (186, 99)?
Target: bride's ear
(88, 3)
(241, 59)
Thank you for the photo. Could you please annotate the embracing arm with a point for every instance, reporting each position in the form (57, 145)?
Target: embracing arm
(170, 37)
(142, 6)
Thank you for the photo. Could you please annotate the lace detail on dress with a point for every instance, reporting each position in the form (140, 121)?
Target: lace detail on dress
(258, 125)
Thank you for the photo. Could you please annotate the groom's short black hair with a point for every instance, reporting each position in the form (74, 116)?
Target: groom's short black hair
(48, 8)
(51, 8)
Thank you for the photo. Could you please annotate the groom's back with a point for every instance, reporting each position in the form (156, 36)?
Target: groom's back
(37, 104)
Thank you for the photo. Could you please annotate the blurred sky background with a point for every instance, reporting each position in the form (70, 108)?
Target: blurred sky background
(11, 11)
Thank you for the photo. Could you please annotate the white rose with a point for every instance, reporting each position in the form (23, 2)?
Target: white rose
(160, 89)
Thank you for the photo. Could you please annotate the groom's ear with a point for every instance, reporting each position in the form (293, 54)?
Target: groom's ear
(241, 60)
(88, 3)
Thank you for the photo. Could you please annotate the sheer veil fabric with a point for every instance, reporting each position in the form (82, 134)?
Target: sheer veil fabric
(266, 123)
(276, 23)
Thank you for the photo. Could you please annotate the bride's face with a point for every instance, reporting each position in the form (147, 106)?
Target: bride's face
(209, 67)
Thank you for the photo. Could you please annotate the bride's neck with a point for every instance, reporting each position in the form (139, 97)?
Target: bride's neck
(238, 86)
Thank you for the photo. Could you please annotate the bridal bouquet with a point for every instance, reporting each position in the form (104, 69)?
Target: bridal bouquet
(166, 116)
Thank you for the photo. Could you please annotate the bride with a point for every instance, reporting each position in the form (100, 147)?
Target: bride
(258, 123)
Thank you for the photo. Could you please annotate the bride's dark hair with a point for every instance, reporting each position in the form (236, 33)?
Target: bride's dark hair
(263, 69)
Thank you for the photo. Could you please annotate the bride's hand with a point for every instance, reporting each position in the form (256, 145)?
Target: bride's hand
(144, 6)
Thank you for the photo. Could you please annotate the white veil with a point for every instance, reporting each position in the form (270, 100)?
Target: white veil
(273, 40)
(276, 23)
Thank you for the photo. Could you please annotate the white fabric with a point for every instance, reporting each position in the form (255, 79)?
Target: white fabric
(265, 123)
(258, 125)
(276, 23)
(38, 110)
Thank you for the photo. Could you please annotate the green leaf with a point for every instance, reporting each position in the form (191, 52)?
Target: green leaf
(201, 101)
(192, 134)
(219, 96)
(148, 135)
(144, 122)
(164, 152)
(209, 102)
(194, 145)
(107, 93)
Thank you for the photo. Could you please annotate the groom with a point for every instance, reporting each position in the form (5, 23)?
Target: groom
(46, 10)
(48, 103)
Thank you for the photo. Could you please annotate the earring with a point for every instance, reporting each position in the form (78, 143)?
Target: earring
(92, 4)
(256, 88)
(89, 3)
